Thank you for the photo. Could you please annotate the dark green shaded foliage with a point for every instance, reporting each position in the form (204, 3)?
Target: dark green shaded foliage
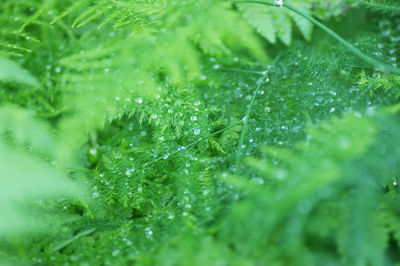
(162, 133)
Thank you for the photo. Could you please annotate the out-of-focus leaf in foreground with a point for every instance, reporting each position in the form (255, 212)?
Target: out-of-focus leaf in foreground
(11, 71)
(25, 180)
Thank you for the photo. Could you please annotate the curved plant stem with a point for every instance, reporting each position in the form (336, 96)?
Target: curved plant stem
(193, 143)
(246, 118)
(379, 65)
(245, 124)
(242, 70)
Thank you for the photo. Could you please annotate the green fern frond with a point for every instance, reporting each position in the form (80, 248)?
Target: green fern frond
(12, 72)
(165, 50)
(272, 22)
(389, 7)
(25, 179)
(284, 190)
(123, 124)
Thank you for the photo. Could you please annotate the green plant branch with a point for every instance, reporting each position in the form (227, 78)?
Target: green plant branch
(242, 70)
(379, 65)
(193, 143)
(69, 241)
(246, 120)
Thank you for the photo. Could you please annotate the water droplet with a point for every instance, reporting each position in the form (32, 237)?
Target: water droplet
(149, 232)
(332, 109)
(196, 131)
(58, 69)
(139, 100)
(154, 116)
(267, 109)
(170, 215)
(161, 138)
(261, 92)
(370, 110)
(140, 189)
(143, 133)
(95, 195)
(93, 151)
(106, 70)
(196, 103)
(251, 140)
(193, 118)
(129, 172)
(166, 156)
(115, 252)
(127, 241)
(258, 180)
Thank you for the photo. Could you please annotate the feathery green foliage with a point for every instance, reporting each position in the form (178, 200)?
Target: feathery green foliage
(389, 7)
(182, 133)
(272, 22)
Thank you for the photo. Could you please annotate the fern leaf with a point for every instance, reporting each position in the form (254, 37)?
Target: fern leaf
(272, 22)
(10, 71)
(23, 178)
(389, 7)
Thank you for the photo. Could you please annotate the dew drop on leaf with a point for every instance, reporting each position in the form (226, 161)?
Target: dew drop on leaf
(148, 231)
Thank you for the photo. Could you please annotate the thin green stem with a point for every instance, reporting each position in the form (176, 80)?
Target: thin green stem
(242, 70)
(69, 241)
(193, 143)
(247, 117)
(379, 65)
